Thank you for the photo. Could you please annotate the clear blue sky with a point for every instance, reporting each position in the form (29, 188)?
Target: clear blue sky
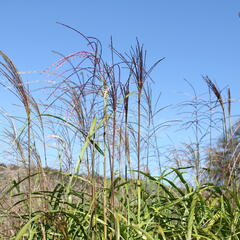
(196, 37)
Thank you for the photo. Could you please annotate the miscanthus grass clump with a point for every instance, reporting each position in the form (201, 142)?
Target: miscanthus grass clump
(100, 186)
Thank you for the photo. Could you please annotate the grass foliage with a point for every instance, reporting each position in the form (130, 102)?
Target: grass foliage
(95, 191)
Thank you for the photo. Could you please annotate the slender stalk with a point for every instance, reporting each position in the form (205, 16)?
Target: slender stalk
(93, 196)
(113, 156)
(10, 72)
(125, 93)
(105, 109)
(29, 163)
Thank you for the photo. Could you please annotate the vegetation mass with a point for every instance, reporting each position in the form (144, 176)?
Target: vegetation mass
(98, 124)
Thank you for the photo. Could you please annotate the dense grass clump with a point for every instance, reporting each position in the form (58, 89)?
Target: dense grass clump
(101, 186)
(168, 210)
